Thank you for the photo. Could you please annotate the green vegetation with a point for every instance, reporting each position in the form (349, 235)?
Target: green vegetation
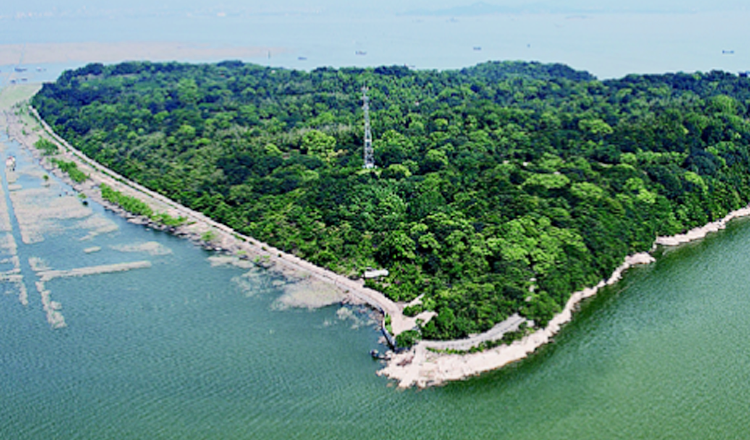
(407, 338)
(135, 206)
(500, 188)
(209, 235)
(71, 169)
(168, 220)
(46, 147)
(126, 202)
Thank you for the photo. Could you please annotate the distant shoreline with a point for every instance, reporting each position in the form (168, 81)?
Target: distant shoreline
(85, 52)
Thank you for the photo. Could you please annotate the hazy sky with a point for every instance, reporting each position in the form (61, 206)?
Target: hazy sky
(11, 7)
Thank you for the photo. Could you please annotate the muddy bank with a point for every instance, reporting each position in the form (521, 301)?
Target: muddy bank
(38, 214)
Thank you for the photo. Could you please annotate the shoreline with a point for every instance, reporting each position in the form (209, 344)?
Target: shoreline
(109, 52)
(423, 368)
(224, 239)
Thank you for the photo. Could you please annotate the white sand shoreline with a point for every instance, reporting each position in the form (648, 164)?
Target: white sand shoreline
(422, 368)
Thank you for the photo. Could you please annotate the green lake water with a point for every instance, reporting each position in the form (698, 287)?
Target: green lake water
(187, 350)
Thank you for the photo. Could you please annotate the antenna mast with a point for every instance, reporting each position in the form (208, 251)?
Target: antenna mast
(369, 156)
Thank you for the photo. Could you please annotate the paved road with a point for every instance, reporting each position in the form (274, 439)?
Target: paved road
(493, 334)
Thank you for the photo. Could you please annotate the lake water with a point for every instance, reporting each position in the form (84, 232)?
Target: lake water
(187, 350)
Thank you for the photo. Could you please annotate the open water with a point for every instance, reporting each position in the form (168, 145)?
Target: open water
(187, 350)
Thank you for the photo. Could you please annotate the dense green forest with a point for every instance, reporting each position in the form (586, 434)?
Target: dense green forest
(499, 188)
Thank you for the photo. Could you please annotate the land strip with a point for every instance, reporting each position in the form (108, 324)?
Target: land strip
(41, 53)
(46, 275)
(418, 366)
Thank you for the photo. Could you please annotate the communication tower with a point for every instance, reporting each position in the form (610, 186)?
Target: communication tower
(369, 156)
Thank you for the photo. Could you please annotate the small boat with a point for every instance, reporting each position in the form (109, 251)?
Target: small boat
(727, 52)
(477, 48)
(376, 354)
(360, 52)
(301, 58)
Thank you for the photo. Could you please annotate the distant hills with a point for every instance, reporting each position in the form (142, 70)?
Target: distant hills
(479, 8)
(483, 8)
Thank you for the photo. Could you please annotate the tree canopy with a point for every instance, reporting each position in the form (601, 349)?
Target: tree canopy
(499, 188)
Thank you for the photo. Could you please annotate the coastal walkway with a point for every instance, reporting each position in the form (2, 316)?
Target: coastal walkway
(230, 239)
(495, 333)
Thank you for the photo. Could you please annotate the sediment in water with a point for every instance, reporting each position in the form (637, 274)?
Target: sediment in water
(39, 213)
(5, 225)
(152, 248)
(309, 293)
(52, 308)
(46, 275)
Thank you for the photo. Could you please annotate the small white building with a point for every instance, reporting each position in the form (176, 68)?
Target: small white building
(369, 274)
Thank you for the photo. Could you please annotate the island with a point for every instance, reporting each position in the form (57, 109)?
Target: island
(502, 194)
